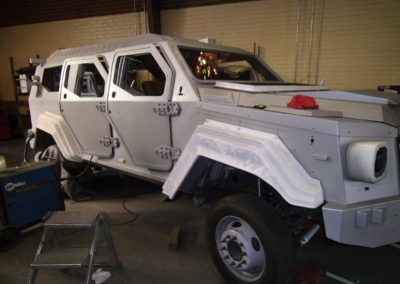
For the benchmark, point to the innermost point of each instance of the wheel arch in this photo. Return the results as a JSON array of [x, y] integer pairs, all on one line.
[[52, 128], [258, 153]]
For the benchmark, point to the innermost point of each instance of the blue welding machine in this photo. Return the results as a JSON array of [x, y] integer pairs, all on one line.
[[28, 193]]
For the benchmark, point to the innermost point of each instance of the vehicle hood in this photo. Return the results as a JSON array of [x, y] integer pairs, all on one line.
[[366, 105]]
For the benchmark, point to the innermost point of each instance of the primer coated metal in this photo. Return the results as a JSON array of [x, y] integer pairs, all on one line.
[[302, 154]]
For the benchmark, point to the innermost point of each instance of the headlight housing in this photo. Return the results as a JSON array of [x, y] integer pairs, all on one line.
[[367, 160]]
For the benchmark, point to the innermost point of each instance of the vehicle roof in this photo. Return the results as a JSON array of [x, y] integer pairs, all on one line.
[[60, 55]]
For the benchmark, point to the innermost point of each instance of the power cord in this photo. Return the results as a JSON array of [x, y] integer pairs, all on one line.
[[135, 215], [80, 174], [29, 136], [129, 222]]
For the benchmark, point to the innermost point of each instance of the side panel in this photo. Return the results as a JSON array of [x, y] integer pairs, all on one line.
[[85, 114], [132, 114], [259, 153], [41, 100]]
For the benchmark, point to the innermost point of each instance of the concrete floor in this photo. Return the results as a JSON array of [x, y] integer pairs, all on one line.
[[143, 245]]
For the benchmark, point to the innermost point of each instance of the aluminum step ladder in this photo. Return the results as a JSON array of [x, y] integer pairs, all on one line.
[[53, 253]]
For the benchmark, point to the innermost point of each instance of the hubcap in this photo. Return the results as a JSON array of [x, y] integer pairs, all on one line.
[[240, 248]]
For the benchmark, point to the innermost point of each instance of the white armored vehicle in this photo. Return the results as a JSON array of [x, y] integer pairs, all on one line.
[[214, 121]]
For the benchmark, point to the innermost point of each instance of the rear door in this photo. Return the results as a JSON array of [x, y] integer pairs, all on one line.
[[141, 82], [83, 104]]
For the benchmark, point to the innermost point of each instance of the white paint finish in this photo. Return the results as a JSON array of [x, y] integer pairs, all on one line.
[[60, 55], [361, 157], [41, 100], [256, 152], [353, 106], [180, 70], [268, 88], [306, 112], [140, 128], [134, 170], [56, 126], [389, 185], [88, 123], [341, 222]]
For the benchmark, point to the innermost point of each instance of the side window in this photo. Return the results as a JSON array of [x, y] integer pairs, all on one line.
[[51, 78], [84, 80], [140, 75], [103, 62]]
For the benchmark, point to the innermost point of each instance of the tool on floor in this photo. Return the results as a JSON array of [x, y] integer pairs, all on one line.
[[173, 243], [340, 278], [27, 193], [310, 274], [53, 253]]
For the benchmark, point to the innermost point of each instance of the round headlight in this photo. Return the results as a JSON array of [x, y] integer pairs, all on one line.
[[367, 160]]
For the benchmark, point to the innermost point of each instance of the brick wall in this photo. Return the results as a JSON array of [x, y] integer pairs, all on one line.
[[359, 44], [20, 12], [25, 41]]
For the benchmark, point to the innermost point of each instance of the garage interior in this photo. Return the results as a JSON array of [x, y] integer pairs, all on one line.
[[346, 45]]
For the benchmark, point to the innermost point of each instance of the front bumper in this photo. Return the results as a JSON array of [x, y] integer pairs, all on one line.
[[368, 224]]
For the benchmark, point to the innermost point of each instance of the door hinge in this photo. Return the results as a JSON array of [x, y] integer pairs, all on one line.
[[110, 142], [101, 106], [168, 152], [167, 109]]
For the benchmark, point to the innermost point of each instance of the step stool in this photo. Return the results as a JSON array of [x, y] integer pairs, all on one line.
[[52, 253]]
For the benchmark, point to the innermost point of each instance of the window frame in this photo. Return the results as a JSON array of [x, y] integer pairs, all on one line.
[[59, 83], [66, 76], [217, 49], [158, 57], [121, 65]]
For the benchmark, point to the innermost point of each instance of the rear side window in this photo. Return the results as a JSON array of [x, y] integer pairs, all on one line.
[[51, 78]]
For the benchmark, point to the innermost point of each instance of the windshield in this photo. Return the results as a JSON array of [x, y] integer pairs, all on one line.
[[221, 65]]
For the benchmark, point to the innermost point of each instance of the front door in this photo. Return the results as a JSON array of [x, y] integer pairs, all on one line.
[[141, 81], [83, 104]]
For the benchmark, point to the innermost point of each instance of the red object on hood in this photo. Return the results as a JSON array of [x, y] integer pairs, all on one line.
[[302, 102]]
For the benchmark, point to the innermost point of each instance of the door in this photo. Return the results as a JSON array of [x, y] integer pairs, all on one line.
[[141, 81], [83, 104]]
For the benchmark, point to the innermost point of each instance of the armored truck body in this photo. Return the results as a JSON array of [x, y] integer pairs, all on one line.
[[214, 121]]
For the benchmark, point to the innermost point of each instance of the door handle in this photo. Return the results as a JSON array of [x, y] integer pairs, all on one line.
[[65, 96], [113, 94]]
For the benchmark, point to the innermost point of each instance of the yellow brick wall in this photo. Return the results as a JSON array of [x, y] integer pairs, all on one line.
[[25, 41], [359, 45]]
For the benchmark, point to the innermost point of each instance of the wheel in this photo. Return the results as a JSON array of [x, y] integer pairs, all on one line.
[[248, 241], [77, 189]]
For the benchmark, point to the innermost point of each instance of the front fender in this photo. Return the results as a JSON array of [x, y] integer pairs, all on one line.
[[261, 154], [56, 126]]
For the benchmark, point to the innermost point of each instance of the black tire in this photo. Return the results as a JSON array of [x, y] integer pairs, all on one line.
[[77, 189], [73, 168], [276, 240]]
